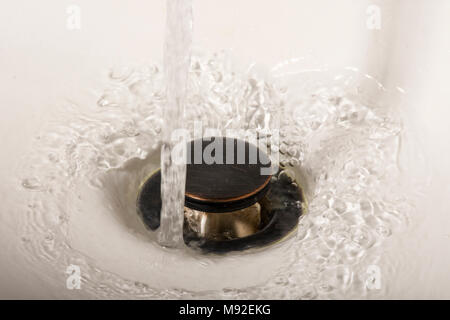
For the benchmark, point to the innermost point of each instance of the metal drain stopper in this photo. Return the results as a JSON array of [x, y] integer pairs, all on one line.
[[230, 178], [232, 201]]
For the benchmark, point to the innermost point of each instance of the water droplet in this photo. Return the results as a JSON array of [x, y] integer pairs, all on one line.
[[31, 184], [120, 73], [384, 231], [113, 99], [339, 206]]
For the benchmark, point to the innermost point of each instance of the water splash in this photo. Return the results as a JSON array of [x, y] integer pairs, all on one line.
[[81, 179]]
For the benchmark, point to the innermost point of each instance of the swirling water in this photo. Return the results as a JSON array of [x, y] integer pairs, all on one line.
[[81, 179]]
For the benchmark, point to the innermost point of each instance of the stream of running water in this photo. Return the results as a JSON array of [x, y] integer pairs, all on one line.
[[173, 172]]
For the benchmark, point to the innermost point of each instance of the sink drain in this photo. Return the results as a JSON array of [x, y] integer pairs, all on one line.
[[229, 204]]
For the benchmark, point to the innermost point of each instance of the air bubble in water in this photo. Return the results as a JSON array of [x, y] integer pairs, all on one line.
[[31, 184]]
